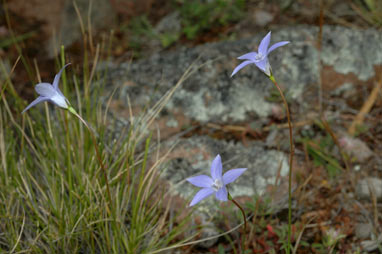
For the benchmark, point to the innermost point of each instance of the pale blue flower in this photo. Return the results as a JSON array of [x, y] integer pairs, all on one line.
[[216, 184], [50, 92], [260, 58]]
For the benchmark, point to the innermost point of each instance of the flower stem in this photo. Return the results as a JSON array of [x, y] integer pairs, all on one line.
[[272, 78], [241, 209], [245, 220], [99, 158]]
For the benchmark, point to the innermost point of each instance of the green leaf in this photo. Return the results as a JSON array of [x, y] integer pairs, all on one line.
[[221, 249]]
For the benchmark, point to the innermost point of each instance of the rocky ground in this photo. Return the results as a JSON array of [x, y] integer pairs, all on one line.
[[242, 119], [332, 79]]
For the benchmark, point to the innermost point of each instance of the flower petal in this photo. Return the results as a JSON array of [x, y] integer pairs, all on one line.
[[222, 194], [60, 100], [216, 168], [58, 76], [276, 45], [232, 174], [263, 47], [264, 66], [36, 101], [248, 56], [240, 66], [45, 89], [202, 194], [202, 181]]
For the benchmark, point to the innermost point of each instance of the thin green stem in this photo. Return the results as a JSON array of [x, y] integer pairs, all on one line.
[[68, 156], [272, 78], [99, 158]]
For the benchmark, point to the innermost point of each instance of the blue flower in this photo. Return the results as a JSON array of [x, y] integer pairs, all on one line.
[[261, 57], [216, 184], [50, 92]]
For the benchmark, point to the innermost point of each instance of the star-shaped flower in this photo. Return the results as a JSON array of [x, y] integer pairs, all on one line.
[[216, 184], [260, 58], [50, 92]]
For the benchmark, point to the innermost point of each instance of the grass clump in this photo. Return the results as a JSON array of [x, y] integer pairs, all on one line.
[[370, 11], [54, 197]]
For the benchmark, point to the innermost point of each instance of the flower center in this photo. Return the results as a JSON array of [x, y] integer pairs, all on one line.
[[259, 57], [217, 184]]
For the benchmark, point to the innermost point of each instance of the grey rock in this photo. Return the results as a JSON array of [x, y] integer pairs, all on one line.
[[169, 24], [345, 91], [262, 18], [368, 184], [193, 156], [341, 9], [363, 230], [372, 245], [210, 95], [356, 148], [166, 32], [102, 16], [352, 51]]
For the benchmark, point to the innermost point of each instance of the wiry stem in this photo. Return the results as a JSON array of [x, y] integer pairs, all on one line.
[[242, 211], [99, 158], [271, 77], [244, 218]]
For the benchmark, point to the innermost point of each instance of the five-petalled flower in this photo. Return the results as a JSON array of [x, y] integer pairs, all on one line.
[[216, 184], [50, 92], [260, 58]]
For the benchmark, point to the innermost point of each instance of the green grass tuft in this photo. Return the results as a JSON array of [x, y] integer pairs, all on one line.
[[53, 193]]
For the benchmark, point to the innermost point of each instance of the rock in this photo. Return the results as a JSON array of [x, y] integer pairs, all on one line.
[[208, 229], [210, 95], [102, 16], [193, 156], [363, 230], [167, 31], [355, 148], [59, 19], [347, 90], [364, 186], [262, 18], [339, 44], [170, 23], [45, 12], [372, 245]]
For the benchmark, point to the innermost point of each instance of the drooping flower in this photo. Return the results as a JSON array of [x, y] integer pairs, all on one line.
[[260, 58], [50, 92], [215, 184]]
